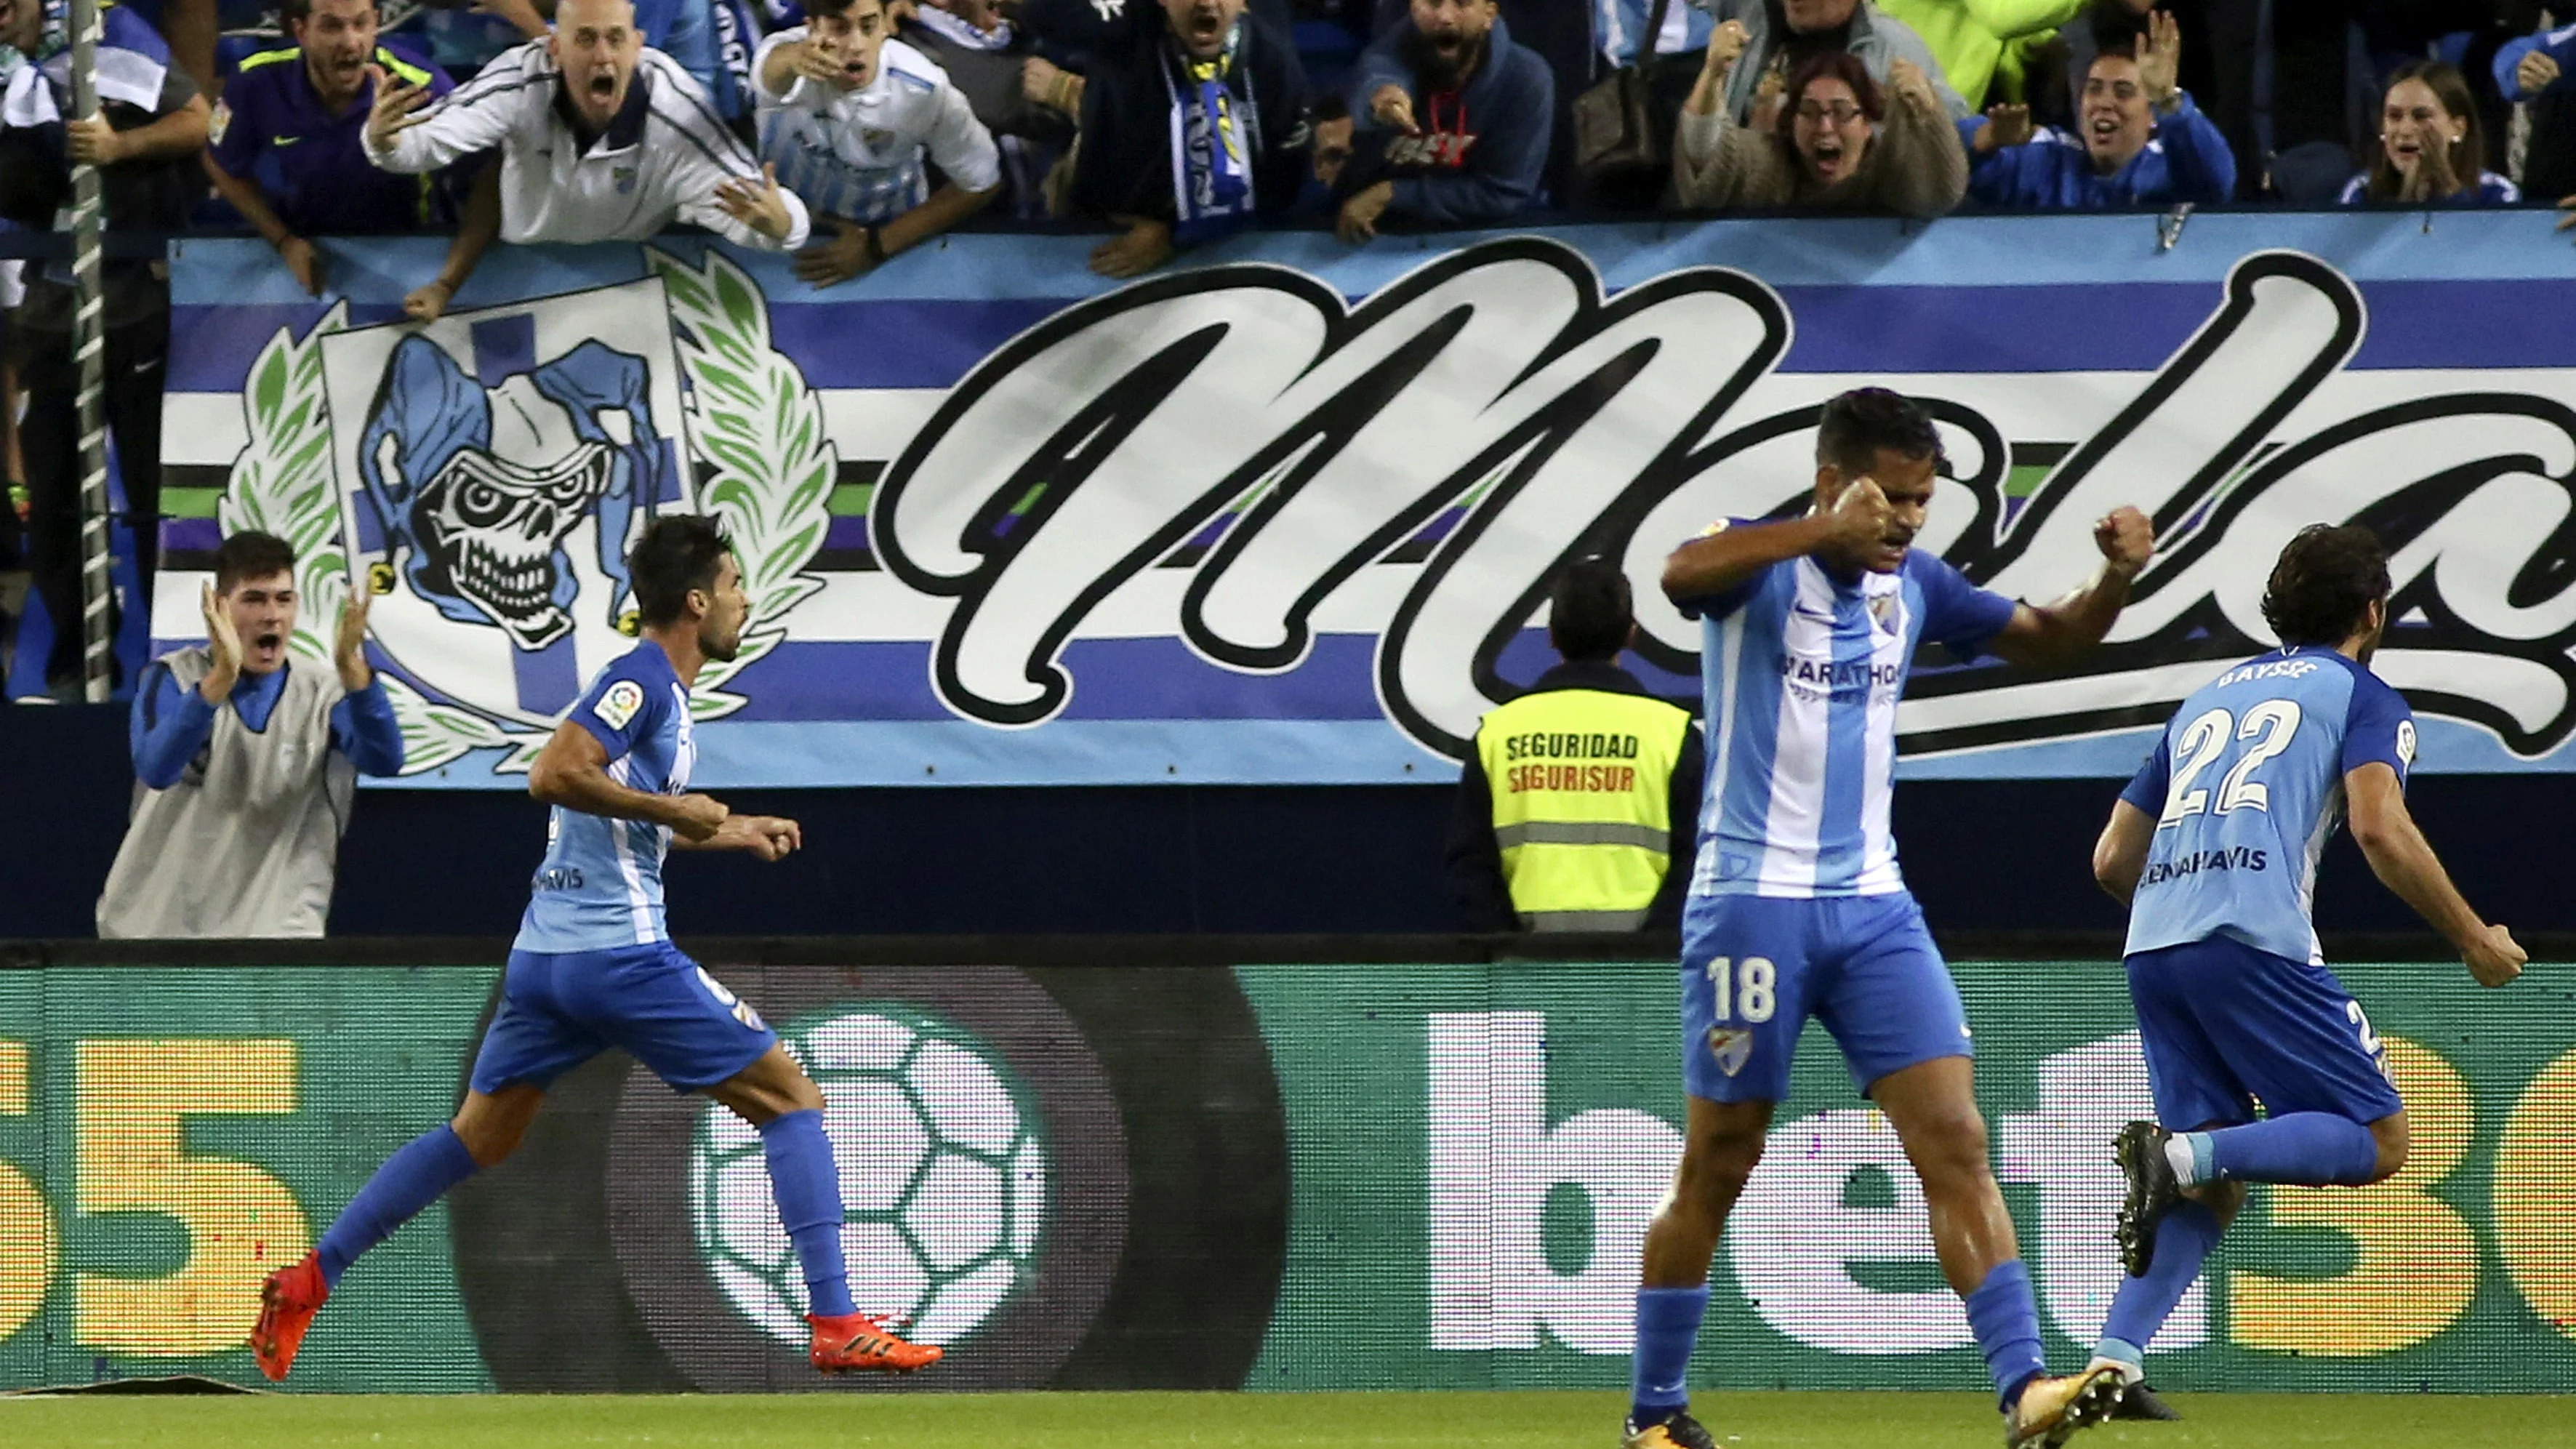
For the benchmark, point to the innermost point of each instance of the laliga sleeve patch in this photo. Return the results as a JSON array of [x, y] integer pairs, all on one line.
[[2406, 743], [1714, 529], [220, 122], [618, 704]]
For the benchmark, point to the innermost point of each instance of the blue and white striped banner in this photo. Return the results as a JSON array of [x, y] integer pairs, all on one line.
[[1281, 516]]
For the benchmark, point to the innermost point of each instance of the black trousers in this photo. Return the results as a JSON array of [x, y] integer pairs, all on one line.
[[137, 359]]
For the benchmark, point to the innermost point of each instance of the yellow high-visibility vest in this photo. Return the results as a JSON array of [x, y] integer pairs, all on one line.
[[1581, 782]]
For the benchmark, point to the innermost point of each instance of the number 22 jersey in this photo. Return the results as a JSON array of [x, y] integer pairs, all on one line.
[[2246, 787]]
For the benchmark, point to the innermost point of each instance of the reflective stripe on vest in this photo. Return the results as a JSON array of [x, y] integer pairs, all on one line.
[[1585, 920], [1581, 781], [1583, 832]]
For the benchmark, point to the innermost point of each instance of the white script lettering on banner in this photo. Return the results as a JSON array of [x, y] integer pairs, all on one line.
[[1500, 377], [1241, 472]]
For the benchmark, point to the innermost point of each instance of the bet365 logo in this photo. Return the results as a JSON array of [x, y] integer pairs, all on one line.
[[1834, 1208]]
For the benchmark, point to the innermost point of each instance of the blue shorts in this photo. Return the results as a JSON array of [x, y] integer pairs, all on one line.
[[2226, 1026], [1865, 966], [655, 1004]]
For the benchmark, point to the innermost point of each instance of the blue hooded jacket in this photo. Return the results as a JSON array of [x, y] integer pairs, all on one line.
[[1491, 137]]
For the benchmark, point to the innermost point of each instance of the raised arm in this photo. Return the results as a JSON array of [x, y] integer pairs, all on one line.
[[168, 726], [2056, 633], [477, 116], [2404, 862], [2535, 64], [1922, 164], [1730, 556], [1717, 163], [572, 771]]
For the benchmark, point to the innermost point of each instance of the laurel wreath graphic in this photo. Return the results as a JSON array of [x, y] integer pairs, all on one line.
[[753, 419], [756, 432]]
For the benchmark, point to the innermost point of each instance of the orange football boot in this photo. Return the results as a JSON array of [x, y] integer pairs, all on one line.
[[287, 1304], [854, 1342]]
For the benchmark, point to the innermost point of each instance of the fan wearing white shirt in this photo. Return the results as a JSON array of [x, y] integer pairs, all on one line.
[[847, 117], [602, 139]]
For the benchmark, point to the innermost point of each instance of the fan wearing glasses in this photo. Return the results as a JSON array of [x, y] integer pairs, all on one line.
[[1825, 137]]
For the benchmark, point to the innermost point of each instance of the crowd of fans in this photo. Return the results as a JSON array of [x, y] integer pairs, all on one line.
[[846, 132]]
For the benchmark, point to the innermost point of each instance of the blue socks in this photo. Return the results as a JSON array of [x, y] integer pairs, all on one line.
[[2308, 1149], [808, 1189], [2183, 1240], [2006, 1321], [418, 1174], [1667, 1328]]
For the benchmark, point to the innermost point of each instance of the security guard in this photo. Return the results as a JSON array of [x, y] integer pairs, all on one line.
[[1581, 793]]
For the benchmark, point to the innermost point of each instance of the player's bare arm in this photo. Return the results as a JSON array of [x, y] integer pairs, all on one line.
[[2120, 856], [2058, 632], [768, 837], [1729, 555], [572, 771], [2404, 862]]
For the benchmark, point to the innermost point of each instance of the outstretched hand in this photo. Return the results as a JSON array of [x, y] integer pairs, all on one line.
[[2004, 126], [223, 644], [397, 109], [2160, 59], [759, 205], [349, 648]]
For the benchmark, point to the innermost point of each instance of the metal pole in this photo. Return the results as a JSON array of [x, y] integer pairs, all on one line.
[[89, 349]]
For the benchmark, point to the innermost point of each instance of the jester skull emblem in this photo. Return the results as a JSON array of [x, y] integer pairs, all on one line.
[[479, 489]]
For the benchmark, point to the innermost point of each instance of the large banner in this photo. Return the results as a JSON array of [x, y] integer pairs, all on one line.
[[1285, 514], [1275, 1177]]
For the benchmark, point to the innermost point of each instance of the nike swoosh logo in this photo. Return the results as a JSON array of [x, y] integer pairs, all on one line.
[[284, 140]]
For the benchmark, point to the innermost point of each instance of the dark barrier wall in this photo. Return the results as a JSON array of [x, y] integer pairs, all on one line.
[[1984, 855], [1212, 1165]]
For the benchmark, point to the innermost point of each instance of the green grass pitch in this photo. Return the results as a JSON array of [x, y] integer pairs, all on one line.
[[1527, 1420]]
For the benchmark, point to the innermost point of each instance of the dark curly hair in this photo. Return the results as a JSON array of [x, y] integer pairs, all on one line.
[[2327, 578], [1590, 610], [1856, 425]]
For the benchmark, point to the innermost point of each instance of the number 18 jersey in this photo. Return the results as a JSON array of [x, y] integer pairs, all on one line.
[[2246, 786]]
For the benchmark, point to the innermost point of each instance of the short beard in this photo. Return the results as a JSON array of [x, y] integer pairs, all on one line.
[[1437, 72], [721, 651]]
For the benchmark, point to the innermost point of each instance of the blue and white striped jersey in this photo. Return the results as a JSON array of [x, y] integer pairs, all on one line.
[[600, 885], [857, 154], [2246, 785], [1802, 672]]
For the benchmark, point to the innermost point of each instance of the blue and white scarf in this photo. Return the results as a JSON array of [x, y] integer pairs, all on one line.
[[1213, 141], [133, 63]]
